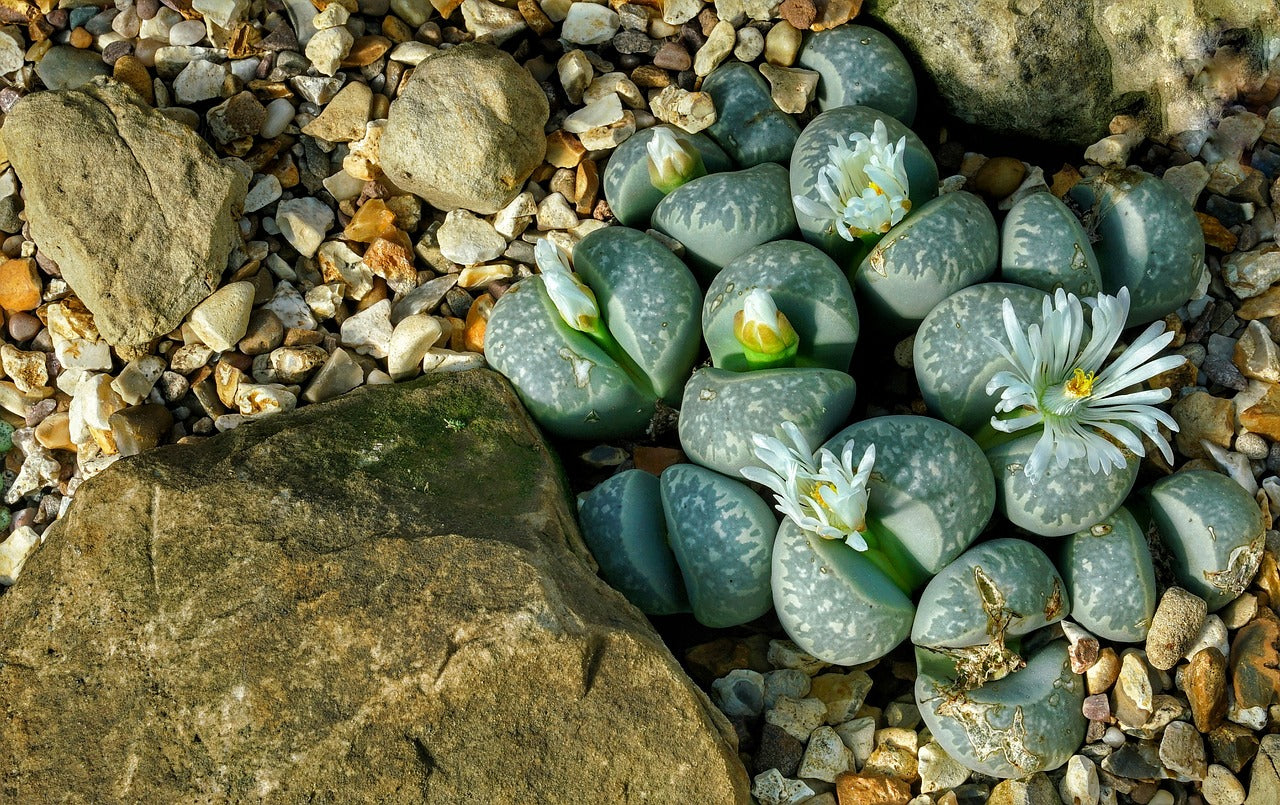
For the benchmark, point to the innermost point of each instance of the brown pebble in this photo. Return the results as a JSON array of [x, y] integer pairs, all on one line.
[[140, 427], [366, 50], [586, 186], [54, 432], [396, 29], [1215, 234], [1255, 661], [295, 337], [649, 76], [1064, 180], [800, 13], [654, 460], [82, 39], [671, 56], [871, 789], [130, 71], [539, 22], [1097, 707], [23, 326], [564, 150], [1205, 682], [264, 334], [999, 177]]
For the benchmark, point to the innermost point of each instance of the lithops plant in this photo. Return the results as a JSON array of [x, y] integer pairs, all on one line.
[[1043, 245], [749, 126], [856, 544], [977, 607], [955, 352], [722, 409], [1212, 527], [859, 66], [1149, 239], [1110, 579], [690, 541], [591, 354], [623, 524], [1086, 419], [805, 285], [949, 243], [721, 215], [1028, 721], [855, 172], [637, 177]]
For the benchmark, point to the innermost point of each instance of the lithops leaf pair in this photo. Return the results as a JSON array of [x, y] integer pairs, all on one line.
[[929, 495], [1148, 240], [749, 126], [632, 182], [591, 354], [804, 284], [993, 706], [1213, 529], [691, 541]]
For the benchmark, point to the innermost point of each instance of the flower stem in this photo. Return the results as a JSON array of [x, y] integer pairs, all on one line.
[[886, 553], [605, 340], [763, 360]]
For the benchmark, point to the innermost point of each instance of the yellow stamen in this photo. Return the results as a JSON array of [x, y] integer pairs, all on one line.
[[875, 187], [1081, 384], [817, 494]]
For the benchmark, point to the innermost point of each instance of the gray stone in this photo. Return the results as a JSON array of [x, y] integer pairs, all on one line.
[[135, 209], [466, 131], [65, 67], [1069, 68], [387, 601], [1264, 785]]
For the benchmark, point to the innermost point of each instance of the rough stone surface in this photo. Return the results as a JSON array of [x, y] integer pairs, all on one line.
[[382, 598], [466, 131], [132, 206], [1069, 68]]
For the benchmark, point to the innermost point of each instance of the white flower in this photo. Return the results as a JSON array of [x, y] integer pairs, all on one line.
[[863, 189], [819, 492], [575, 301], [672, 161], [761, 327], [1057, 383]]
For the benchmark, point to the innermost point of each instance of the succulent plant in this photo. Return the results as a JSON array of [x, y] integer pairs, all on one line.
[[593, 364], [805, 285], [1213, 529], [628, 180], [859, 66], [1149, 240], [722, 409], [1043, 245], [1110, 578], [1029, 721], [949, 243], [831, 188], [928, 496], [719, 216], [749, 126]]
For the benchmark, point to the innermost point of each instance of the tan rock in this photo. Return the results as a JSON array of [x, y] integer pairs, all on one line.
[[1256, 354], [424, 623], [344, 117], [1202, 416], [1205, 683], [871, 789]]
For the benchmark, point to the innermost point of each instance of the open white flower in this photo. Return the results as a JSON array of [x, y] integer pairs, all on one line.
[[672, 161], [575, 301], [819, 492], [862, 190], [1058, 384]]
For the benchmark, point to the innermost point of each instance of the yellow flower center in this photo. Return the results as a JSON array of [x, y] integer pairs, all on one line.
[[875, 187], [1081, 384], [817, 494]]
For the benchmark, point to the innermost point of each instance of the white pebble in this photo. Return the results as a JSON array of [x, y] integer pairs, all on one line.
[[604, 112], [412, 53], [186, 33], [1080, 783], [222, 319], [199, 81], [555, 213], [15, 551], [138, 378], [589, 24], [369, 331], [411, 339], [328, 48], [825, 757], [448, 360], [771, 788], [465, 239], [1221, 787], [304, 222], [264, 191], [289, 306], [223, 13]]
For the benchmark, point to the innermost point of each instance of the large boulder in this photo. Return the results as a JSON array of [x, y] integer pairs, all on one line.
[[466, 130], [134, 207], [1061, 71], [384, 598]]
